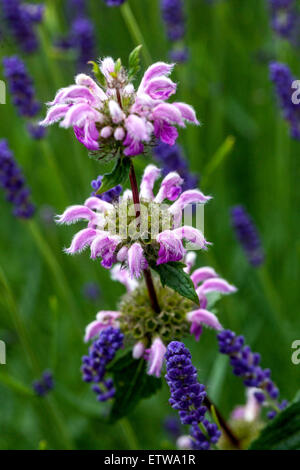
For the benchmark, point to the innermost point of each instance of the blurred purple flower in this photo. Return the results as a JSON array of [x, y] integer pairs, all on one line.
[[179, 55], [13, 183], [82, 39], [36, 131], [91, 291], [173, 426], [21, 19], [21, 86], [285, 18], [172, 159], [247, 235], [282, 78], [43, 386], [114, 3], [174, 19], [173, 16]]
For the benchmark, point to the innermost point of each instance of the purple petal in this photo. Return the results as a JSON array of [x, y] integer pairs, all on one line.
[[165, 132], [167, 112], [203, 317], [81, 240], [93, 329], [160, 88], [187, 112], [191, 234], [202, 274], [54, 114], [156, 357], [155, 70], [136, 260], [171, 247], [150, 175], [219, 285], [98, 204], [74, 214], [170, 187]]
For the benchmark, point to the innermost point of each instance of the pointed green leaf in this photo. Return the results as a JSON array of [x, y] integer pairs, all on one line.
[[134, 62], [118, 175], [283, 433], [172, 275], [132, 384]]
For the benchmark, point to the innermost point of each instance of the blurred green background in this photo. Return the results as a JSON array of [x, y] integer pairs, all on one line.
[[43, 311]]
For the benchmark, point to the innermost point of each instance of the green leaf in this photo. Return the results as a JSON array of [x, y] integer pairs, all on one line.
[[97, 72], [118, 175], [172, 275], [283, 433], [132, 385], [134, 62]]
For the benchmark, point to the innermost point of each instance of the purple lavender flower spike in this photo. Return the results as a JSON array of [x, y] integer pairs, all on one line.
[[44, 385], [245, 364], [20, 19], [187, 396], [247, 235], [102, 351], [282, 78], [13, 183], [21, 86]]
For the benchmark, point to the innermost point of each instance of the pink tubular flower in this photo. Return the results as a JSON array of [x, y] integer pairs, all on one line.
[[250, 411], [136, 260], [210, 282], [122, 275], [201, 317], [156, 357], [213, 285], [104, 319], [136, 251], [138, 350], [118, 112]]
